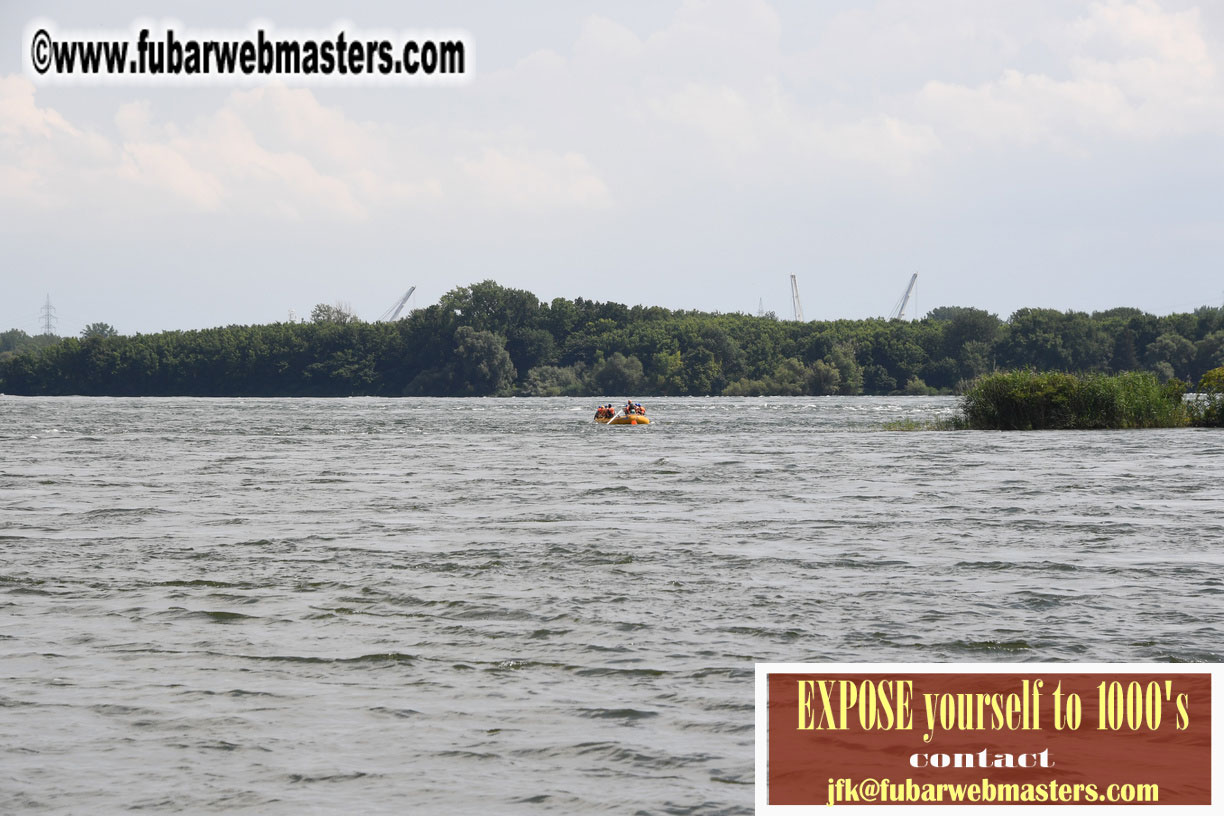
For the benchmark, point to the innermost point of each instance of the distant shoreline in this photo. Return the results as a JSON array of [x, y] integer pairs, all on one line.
[[489, 340]]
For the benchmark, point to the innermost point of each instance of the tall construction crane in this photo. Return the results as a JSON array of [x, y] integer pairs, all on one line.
[[393, 312], [898, 312], [795, 304]]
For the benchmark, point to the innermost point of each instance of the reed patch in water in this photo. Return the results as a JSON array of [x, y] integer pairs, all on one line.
[[1030, 400], [1206, 406]]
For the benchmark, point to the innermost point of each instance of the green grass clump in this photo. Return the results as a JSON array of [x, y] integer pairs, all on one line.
[[1206, 407], [1029, 400]]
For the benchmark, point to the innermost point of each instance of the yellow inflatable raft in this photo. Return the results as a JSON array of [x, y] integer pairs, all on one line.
[[632, 419]]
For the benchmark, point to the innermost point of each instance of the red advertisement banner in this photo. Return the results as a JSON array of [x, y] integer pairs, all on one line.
[[944, 738]]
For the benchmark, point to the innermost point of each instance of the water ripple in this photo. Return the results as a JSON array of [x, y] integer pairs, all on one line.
[[430, 603]]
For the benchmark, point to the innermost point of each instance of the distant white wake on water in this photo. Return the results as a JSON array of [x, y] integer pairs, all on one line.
[[449, 606]]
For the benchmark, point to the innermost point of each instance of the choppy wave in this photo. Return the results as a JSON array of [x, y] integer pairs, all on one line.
[[466, 605]]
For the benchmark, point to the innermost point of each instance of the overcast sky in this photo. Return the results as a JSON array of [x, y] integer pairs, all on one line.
[[685, 154]]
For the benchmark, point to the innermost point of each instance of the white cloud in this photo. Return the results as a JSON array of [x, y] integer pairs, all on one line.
[[709, 94], [1144, 27], [19, 115], [45, 162], [272, 153], [721, 41], [886, 143], [719, 113], [608, 41], [542, 61], [163, 167], [699, 138], [716, 95], [1132, 71], [533, 181]]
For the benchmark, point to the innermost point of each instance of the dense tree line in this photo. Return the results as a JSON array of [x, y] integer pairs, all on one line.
[[486, 339], [16, 340]]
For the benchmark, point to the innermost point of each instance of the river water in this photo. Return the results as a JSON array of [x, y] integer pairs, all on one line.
[[458, 606]]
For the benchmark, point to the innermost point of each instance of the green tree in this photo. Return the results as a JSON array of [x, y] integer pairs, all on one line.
[[618, 374], [823, 378], [1034, 339], [961, 325], [529, 348], [340, 313], [1125, 356], [1209, 352], [702, 372], [553, 381], [98, 330], [489, 339], [850, 373], [488, 306], [484, 366], [1172, 350]]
